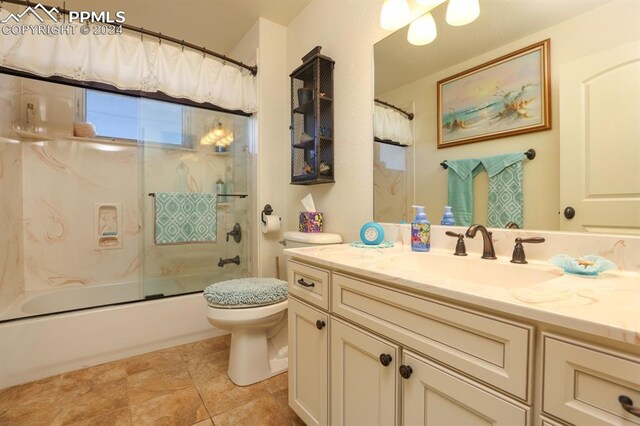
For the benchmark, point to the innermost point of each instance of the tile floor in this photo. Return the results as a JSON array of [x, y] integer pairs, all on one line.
[[185, 385]]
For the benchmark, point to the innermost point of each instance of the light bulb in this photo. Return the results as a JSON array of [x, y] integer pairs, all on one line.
[[422, 31], [462, 12], [395, 14], [218, 131]]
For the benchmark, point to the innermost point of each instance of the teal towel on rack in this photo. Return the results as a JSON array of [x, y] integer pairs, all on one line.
[[185, 217], [506, 201], [461, 174]]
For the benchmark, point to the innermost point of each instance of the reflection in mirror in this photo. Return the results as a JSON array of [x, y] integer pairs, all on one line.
[[589, 158]]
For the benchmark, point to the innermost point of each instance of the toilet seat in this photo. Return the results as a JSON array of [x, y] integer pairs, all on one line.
[[246, 293]]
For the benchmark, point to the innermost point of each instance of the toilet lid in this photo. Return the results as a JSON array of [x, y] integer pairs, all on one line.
[[246, 292]]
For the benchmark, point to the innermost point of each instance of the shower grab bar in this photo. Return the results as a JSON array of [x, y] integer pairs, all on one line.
[[153, 194]]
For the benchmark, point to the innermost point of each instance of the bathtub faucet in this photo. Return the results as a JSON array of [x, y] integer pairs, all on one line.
[[223, 262]]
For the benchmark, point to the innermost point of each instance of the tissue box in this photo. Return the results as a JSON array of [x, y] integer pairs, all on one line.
[[310, 222]]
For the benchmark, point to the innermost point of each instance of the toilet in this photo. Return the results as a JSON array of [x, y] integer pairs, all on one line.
[[254, 310]]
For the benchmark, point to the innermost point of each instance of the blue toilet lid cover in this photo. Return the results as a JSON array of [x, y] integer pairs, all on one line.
[[246, 292]]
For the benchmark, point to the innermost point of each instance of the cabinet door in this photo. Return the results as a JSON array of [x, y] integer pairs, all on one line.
[[308, 362], [364, 391], [434, 396]]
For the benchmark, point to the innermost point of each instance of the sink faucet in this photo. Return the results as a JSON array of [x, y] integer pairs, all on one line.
[[487, 244]]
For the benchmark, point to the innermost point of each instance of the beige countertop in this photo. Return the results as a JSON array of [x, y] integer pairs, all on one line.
[[606, 306]]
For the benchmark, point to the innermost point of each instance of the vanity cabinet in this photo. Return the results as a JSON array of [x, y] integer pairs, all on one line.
[[583, 383], [308, 362], [364, 377], [434, 395], [312, 120], [390, 355]]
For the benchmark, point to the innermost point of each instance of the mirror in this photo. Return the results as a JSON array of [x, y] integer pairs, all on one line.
[[597, 175]]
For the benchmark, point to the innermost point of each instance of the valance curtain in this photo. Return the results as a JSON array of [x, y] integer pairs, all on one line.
[[128, 62], [391, 125]]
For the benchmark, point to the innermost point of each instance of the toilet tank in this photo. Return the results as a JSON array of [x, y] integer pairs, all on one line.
[[294, 239]]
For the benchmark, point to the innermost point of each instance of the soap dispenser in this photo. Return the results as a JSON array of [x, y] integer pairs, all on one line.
[[420, 231], [447, 217]]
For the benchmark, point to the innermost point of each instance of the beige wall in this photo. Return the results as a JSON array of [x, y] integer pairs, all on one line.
[[608, 26], [346, 30], [265, 44]]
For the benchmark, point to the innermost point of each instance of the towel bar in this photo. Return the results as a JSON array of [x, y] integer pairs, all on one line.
[[153, 194], [530, 154]]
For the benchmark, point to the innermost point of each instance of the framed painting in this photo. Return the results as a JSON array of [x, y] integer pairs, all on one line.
[[507, 96]]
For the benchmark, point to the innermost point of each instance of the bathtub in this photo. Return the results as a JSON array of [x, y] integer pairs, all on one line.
[[73, 297], [48, 301], [35, 348]]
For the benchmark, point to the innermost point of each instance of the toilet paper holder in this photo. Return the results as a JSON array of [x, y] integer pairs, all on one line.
[[267, 210]]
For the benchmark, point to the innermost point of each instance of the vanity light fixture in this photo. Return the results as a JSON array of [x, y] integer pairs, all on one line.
[[395, 14], [462, 12], [422, 31]]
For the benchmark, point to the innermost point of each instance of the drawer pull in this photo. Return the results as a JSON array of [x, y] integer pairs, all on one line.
[[627, 405], [405, 371], [385, 359], [320, 324], [303, 283]]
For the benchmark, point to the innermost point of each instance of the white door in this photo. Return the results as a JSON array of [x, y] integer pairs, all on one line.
[[435, 396], [308, 363], [364, 378], [600, 141]]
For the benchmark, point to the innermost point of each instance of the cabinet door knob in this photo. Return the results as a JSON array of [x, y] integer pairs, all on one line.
[[385, 359], [303, 283], [320, 324], [405, 371], [627, 405]]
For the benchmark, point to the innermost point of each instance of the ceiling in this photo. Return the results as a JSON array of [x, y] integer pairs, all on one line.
[[501, 21], [217, 25]]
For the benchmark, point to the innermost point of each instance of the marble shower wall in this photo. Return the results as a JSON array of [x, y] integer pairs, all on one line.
[[11, 247], [63, 180], [390, 183]]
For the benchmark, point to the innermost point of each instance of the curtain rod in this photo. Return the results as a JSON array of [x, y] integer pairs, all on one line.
[[530, 154], [160, 36], [408, 114]]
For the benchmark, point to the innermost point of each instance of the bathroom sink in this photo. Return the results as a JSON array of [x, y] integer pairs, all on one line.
[[495, 273]]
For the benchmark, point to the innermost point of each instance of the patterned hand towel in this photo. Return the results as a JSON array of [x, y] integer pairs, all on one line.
[[461, 174], [185, 217], [506, 202]]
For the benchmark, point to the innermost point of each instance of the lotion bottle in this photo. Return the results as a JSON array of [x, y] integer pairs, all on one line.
[[420, 231]]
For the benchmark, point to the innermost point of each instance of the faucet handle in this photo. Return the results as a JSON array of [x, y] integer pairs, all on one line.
[[518, 255], [461, 250]]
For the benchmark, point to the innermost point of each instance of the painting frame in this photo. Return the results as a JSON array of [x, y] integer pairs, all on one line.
[[506, 111]]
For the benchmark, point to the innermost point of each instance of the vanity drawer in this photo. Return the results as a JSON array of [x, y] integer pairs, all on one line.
[[582, 383], [493, 350], [308, 283]]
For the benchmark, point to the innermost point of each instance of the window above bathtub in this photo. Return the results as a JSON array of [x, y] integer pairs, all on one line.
[[136, 119]]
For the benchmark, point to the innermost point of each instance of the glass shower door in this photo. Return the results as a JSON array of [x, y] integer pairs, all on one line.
[[212, 158]]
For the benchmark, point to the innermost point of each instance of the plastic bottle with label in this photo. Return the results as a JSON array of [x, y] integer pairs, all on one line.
[[420, 231]]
